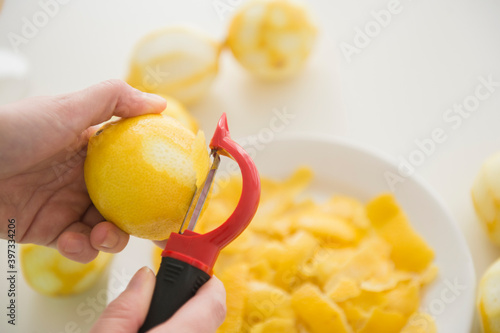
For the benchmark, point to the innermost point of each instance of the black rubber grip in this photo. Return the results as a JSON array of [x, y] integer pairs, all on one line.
[[176, 283]]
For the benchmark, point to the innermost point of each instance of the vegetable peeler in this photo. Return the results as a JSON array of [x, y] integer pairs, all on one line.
[[188, 258]]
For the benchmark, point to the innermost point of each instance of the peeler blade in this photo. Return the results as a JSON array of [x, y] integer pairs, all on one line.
[[200, 195]]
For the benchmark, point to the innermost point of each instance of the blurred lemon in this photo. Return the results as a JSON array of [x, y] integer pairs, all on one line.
[[142, 172], [488, 299], [156, 258], [486, 196], [177, 110], [178, 62], [272, 38], [49, 273]]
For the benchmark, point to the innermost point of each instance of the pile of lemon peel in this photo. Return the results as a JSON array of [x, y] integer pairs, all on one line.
[[334, 266]]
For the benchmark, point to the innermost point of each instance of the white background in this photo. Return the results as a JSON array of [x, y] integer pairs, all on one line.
[[394, 92]]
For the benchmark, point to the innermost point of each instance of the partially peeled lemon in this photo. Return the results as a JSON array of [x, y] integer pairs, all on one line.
[[51, 274], [488, 299], [272, 38], [142, 172], [180, 62], [486, 196]]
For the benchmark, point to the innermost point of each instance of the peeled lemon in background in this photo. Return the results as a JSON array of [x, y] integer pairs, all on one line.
[[179, 62], [177, 110], [156, 258], [272, 38], [49, 273], [488, 299], [142, 172], [486, 196]]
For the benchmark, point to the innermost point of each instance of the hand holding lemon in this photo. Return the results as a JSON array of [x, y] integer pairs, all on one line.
[[43, 141]]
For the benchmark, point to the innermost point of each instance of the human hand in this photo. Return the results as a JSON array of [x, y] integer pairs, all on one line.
[[203, 313], [43, 143]]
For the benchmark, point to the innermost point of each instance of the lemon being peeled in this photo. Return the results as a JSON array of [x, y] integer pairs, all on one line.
[[142, 172]]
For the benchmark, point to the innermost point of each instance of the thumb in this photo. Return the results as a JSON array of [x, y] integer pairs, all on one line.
[[99, 102], [39, 127], [127, 312]]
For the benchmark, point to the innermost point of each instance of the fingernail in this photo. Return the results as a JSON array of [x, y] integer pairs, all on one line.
[[155, 99], [111, 240], [139, 278], [73, 246]]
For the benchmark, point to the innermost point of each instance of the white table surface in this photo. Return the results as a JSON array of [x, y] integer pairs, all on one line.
[[394, 92]]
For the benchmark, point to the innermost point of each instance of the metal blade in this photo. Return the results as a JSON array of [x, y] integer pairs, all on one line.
[[200, 195]]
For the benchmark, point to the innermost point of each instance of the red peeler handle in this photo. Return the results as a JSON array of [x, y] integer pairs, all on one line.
[[188, 258], [199, 250]]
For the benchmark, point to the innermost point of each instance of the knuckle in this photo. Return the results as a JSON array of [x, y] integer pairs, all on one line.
[[114, 84], [219, 309]]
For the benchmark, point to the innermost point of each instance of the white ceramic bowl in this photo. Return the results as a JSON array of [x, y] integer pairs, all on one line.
[[343, 167]]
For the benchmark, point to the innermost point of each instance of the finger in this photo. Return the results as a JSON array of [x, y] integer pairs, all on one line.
[[77, 111], [74, 243], [107, 237], [89, 132], [128, 311], [61, 122], [113, 97], [203, 313], [104, 235], [92, 217]]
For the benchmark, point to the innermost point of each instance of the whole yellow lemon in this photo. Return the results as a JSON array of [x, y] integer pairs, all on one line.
[[141, 173], [51, 274]]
